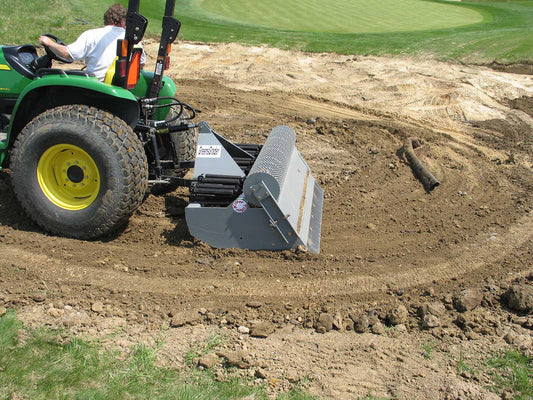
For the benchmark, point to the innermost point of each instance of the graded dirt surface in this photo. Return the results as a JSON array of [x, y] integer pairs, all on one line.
[[409, 285]]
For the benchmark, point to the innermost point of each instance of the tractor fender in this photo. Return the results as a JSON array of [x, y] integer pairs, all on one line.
[[53, 91]]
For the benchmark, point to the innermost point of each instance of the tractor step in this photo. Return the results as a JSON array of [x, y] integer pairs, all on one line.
[[273, 203]]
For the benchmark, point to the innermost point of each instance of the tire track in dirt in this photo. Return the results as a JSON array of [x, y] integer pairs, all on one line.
[[327, 109], [323, 108], [192, 289]]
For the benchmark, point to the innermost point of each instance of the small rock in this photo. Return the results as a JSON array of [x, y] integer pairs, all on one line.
[[401, 328], [468, 300], [523, 342], [520, 298], [361, 324], [253, 304], [243, 329], [348, 324], [182, 318], [378, 328], [273, 382], [308, 323], [262, 329], [398, 315], [208, 361], [292, 376], [15, 396], [511, 338], [324, 323], [435, 308], [219, 375], [3, 310], [97, 307], [55, 312], [76, 319], [465, 321], [39, 297], [205, 261], [448, 301], [338, 322], [234, 358], [373, 317], [261, 373], [430, 321], [59, 304], [471, 335]]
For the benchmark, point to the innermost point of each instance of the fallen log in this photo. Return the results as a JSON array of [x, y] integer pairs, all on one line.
[[427, 179]]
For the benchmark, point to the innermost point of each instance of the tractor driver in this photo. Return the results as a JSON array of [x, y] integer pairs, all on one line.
[[97, 47]]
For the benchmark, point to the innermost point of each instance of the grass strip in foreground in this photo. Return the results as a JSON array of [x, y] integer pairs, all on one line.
[[42, 364]]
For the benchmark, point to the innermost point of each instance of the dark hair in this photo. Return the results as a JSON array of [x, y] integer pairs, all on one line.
[[114, 14]]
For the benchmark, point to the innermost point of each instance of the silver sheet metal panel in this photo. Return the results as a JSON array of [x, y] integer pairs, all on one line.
[[281, 204]]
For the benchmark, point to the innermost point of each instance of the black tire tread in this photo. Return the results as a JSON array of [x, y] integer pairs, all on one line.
[[127, 147]]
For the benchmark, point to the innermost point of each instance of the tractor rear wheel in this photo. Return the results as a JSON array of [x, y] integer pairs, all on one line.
[[79, 171], [184, 143]]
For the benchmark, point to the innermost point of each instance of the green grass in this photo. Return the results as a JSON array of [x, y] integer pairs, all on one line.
[[38, 364], [505, 34], [340, 16], [469, 31], [512, 371], [427, 349], [202, 349], [24, 21], [463, 367]]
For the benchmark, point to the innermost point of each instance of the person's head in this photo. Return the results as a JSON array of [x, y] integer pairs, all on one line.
[[115, 15]]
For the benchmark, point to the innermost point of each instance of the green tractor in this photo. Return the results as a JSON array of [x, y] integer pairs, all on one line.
[[84, 153]]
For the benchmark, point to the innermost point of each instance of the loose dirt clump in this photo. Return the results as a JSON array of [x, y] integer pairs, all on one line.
[[412, 289]]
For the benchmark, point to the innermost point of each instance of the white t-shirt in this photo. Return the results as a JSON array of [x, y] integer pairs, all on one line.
[[98, 47]]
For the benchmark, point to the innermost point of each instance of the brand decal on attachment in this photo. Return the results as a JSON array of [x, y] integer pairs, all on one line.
[[240, 206], [209, 151]]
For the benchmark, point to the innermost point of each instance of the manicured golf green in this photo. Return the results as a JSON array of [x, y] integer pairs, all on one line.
[[473, 31], [340, 16]]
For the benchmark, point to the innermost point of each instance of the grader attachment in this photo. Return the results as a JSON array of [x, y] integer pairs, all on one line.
[[254, 197]]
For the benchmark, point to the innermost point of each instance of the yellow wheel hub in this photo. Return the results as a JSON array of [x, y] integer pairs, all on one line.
[[68, 176]]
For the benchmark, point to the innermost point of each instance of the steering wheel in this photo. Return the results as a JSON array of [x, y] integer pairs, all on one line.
[[51, 53]]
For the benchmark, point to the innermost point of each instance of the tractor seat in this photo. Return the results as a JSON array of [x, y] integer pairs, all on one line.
[[25, 61], [57, 71], [109, 77], [20, 58], [110, 74]]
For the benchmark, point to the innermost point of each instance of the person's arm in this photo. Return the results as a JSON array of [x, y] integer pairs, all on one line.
[[59, 49]]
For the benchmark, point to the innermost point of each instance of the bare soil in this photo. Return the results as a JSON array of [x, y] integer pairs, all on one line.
[[409, 287]]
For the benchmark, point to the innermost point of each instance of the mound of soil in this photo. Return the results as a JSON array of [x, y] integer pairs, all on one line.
[[408, 282]]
